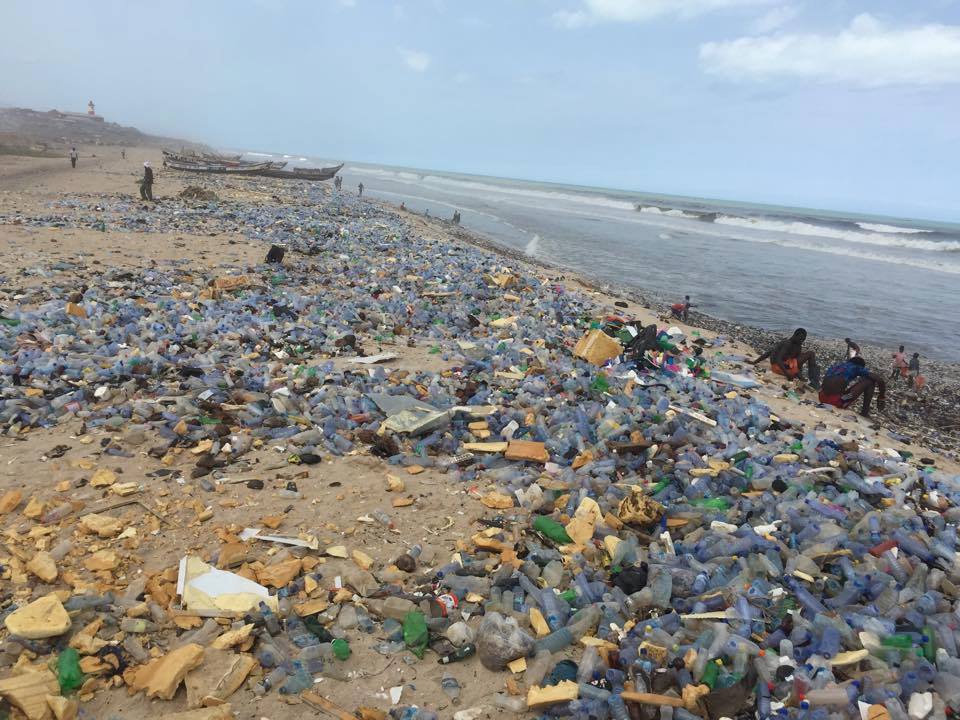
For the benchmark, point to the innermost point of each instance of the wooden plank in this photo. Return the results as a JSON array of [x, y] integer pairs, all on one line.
[[652, 699], [321, 703]]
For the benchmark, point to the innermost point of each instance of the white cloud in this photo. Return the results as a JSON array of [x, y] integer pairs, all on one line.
[[593, 11], [866, 54], [415, 60], [775, 18]]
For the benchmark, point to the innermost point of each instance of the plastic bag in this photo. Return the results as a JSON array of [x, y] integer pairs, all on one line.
[[501, 641]]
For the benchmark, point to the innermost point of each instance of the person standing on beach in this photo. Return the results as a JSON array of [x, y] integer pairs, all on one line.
[[360, 188], [73, 157], [914, 368], [123, 153], [848, 380], [146, 184], [899, 368], [788, 357], [914, 365]]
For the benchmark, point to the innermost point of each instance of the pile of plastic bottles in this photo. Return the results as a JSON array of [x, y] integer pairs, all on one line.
[[785, 572]]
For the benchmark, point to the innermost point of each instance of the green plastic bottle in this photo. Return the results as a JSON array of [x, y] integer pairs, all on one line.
[[600, 384], [710, 674], [661, 485], [712, 503], [552, 529], [415, 633], [930, 646], [341, 649], [901, 641], [69, 674]]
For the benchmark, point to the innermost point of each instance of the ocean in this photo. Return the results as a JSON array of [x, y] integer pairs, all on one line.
[[879, 280]]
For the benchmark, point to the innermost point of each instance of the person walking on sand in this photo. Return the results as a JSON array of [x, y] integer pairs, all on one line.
[[123, 153], [146, 184], [73, 157], [360, 188], [681, 310], [788, 357], [848, 380], [899, 368]]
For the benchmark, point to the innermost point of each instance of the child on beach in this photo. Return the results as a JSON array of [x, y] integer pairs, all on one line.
[[914, 369], [899, 364]]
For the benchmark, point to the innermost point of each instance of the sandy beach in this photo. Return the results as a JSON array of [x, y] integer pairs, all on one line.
[[52, 246]]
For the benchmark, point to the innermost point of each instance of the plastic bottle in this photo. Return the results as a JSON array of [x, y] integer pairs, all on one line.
[[270, 620], [408, 561], [69, 674], [538, 668], [391, 607], [461, 653], [271, 680], [341, 649], [552, 529], [450, 687], [298, 681]]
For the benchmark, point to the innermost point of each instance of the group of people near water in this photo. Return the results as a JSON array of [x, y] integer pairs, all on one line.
[[844, 382]]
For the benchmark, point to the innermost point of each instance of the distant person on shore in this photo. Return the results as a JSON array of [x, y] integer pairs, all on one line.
[[403, 205], [146, 184], [914, 369], [681, 310], [852, 348], [456, 217], [914, 365], [848, 380], [788, 357], [73, 157], [123, 154], [360, 188], [900, 366]]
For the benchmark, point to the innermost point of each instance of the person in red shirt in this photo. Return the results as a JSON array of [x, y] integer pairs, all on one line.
[[899, 368]]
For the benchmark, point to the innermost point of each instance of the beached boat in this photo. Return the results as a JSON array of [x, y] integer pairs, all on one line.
[[302, 173], [209, 159], [212, 167]]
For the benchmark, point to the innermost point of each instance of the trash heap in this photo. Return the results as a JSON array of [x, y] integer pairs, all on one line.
[[654, 542]]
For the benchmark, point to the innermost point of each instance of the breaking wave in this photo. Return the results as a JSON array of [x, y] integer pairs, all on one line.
[[796, 227]]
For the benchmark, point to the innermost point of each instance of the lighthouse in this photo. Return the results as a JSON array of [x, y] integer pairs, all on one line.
[[91, 111]]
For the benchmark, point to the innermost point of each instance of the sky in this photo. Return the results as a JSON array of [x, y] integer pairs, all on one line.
[[835, 104]]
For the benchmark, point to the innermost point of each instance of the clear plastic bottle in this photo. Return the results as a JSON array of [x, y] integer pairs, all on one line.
[[450, 687]]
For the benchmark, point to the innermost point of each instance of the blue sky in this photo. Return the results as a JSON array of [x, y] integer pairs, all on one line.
[[842, 104]]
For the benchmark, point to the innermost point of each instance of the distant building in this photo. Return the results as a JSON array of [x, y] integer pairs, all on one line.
[[90, 114]]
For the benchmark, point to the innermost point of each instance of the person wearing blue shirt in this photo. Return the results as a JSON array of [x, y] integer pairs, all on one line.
[[846, 381]]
